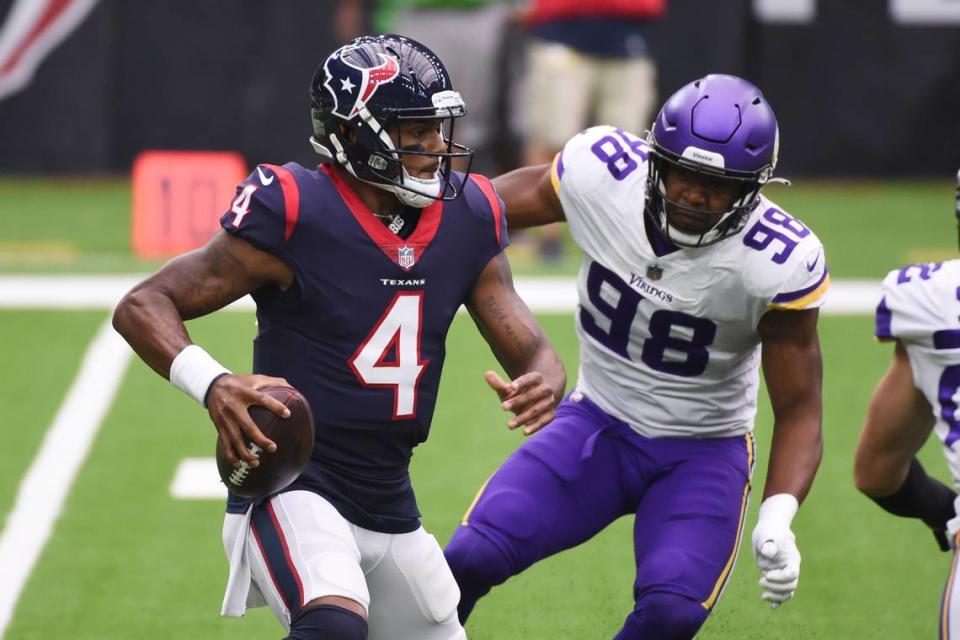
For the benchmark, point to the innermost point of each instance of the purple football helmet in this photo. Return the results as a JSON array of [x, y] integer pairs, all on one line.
[[719, 126], [371, 84]]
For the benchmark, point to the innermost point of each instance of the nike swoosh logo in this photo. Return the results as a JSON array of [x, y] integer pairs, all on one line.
[[263, 178], [812, 265]]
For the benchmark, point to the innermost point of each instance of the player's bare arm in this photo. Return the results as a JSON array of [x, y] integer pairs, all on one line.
[[530, 197], [519, 344], [151, 316], [793, 371], [899, 420]]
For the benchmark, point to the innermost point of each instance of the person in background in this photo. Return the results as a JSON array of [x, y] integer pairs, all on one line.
[[468, 35], [587, 63]]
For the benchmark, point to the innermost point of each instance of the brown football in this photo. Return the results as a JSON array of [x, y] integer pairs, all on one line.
[[294, 439]]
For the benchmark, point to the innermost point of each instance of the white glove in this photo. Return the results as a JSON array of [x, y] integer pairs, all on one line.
[[775, 549]]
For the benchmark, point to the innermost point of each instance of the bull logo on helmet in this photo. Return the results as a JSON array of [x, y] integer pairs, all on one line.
[[352, 86]]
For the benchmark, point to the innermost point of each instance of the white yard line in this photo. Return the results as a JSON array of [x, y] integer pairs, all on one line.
[[197, 479], [46, 484], [73, 292], [544, 294]]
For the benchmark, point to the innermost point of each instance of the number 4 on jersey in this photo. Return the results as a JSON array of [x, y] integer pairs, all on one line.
[[390, 355], [241, 204]]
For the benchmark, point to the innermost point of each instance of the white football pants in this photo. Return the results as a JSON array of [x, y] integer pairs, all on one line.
[[298, 547]]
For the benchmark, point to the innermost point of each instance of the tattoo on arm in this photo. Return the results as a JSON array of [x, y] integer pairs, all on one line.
[[221, 278], [523, 346]]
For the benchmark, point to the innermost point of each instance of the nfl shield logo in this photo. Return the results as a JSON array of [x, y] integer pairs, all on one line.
[[654, 272], [405, 257]]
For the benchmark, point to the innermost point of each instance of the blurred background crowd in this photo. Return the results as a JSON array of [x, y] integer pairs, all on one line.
[[862, 88]]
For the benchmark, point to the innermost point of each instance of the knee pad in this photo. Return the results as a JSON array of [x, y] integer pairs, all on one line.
[[665, 616], [477, 564], [506, 513], [327, 622], [662, 571]]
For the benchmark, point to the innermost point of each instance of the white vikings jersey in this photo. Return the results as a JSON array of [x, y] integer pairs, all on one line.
[[668, 336], [921, 309]]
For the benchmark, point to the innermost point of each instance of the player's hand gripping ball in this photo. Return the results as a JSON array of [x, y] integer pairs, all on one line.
[[293, 437]]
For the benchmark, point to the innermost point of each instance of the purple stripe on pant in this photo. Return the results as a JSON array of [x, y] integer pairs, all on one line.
[[584, 471]]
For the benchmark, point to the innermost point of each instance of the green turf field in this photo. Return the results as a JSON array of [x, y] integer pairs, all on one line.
[[127, 560], [82, 226]]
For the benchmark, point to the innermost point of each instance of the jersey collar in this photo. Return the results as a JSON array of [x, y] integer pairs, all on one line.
[[389, 242]]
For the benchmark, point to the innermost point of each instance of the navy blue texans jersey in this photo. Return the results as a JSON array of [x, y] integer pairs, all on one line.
[[361, 330]]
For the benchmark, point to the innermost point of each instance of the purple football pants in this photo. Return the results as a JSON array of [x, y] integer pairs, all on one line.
[[584, 471]]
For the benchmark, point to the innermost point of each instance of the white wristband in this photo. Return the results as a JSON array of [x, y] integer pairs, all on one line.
[[193, 370], [780, 508]]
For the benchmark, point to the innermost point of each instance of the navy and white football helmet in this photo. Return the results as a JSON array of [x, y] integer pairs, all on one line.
[[371, 84]]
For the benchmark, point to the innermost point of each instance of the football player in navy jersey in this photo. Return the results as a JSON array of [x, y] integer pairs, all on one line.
[[688, 269], [357, 268]]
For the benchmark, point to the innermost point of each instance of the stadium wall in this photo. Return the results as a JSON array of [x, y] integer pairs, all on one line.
[[861, 87]]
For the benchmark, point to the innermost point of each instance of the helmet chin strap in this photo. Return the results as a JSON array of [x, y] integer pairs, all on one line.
[[320, 148], [419, 194], [682, 238], [687, 239]]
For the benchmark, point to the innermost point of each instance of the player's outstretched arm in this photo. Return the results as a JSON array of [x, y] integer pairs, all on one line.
[[519, 344], [793, 370], [529, 196], [899, 420], [150, 317]]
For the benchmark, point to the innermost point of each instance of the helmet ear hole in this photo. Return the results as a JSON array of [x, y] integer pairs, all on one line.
[[347, 133]]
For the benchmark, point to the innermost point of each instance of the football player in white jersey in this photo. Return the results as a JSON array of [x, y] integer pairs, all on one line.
[[920, 311], [687, 271]]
